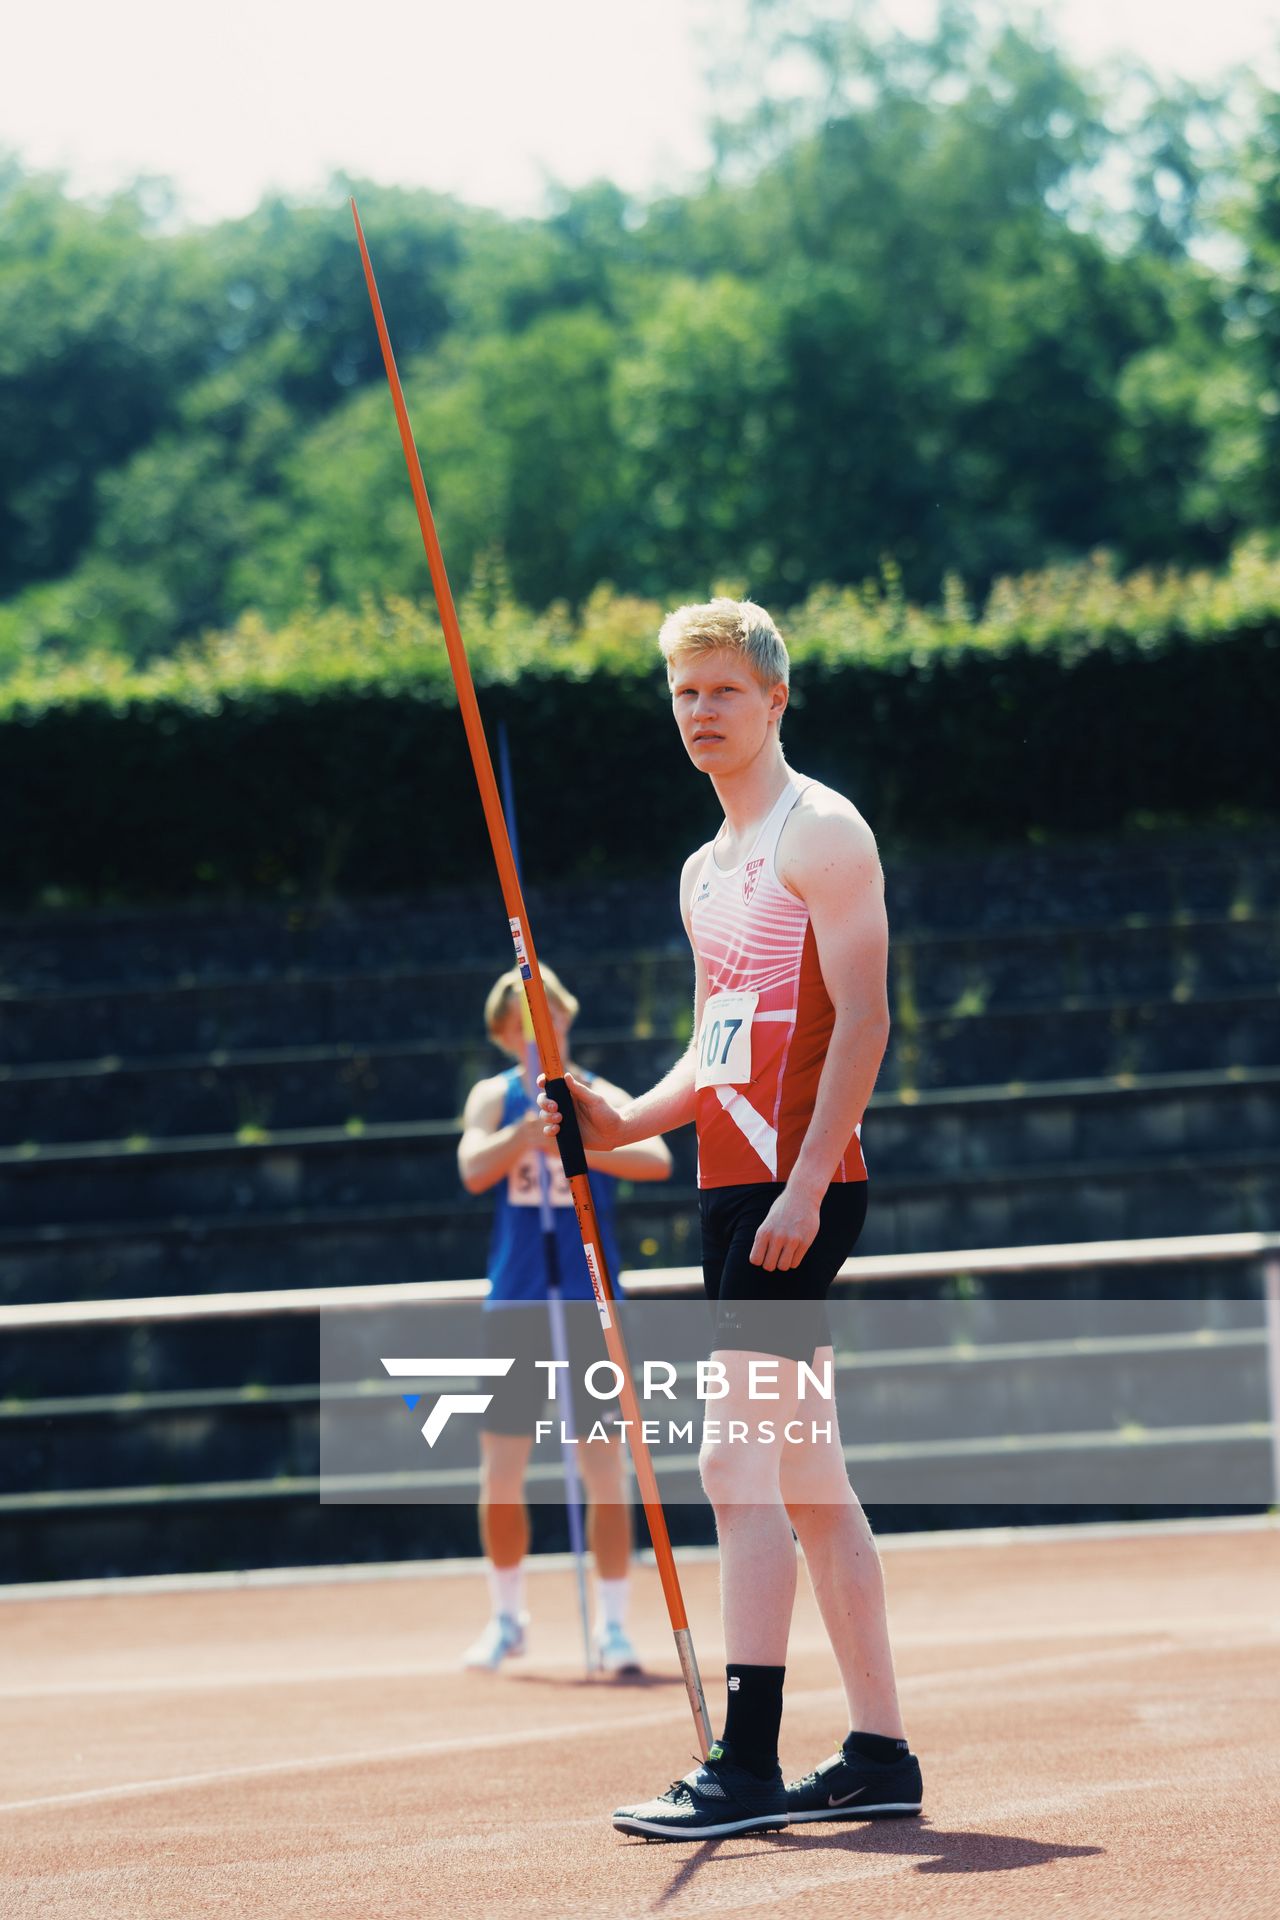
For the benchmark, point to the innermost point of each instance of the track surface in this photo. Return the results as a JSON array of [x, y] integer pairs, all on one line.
[[1096, 1718]]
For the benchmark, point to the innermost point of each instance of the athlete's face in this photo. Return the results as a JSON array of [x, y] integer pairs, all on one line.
[[723, 713]]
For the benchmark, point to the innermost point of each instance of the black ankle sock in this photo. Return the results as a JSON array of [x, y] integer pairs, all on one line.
[[875, 1746], [754, 1716]]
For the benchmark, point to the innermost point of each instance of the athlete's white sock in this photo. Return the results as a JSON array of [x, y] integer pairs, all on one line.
[[611, 1602], [506, 1589]]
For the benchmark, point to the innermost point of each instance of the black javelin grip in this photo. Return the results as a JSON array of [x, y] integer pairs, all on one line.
[[573, 1155]]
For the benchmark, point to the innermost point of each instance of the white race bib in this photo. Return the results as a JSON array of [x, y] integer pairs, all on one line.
[[524, 1184], [724, 1040]]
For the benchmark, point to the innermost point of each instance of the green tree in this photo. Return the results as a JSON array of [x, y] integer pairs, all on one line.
[[1245, 409], [696, 397], [102, 324]]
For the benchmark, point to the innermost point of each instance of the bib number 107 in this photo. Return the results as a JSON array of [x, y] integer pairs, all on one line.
[[724, 1040], [712, 1055]]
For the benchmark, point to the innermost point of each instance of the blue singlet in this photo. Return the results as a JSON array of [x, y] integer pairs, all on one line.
[[517, 1258]]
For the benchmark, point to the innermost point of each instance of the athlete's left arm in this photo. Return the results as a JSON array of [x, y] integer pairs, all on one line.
[[834, 866], [643, 1159]]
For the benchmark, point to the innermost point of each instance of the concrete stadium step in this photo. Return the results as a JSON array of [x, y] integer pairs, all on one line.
[[926, 1135], [1206, 1369], [1209, 1373], [259, 1354], [276, 1088], [1226, 1192], [278, 1526], [1037, 1127], [164, 1439], [240, 1012], [1086, 882], [149, 947], [1049, 1387], [1184, 957], [283, 1088], [1201, 873], [1135, 1384], [1000, 1470], [295, 1530], [280, 1522], [647, 991], [247, 1352], [136, 1259], [279, 1088], [298, 1247], [215, 1176], [1206, 1192], [1092, 1040]]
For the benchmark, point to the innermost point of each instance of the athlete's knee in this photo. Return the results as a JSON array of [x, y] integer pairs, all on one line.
[[503, 1499], [601, 1466], [738, 1469], [812, 1476], [502, 1482]]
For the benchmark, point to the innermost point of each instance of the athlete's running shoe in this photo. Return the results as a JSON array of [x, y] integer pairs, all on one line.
[[502, 1639], [614, 1651], [717, 1798], [849, 1787]]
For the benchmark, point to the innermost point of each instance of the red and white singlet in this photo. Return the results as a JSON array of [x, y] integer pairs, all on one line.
[[767, 1021]]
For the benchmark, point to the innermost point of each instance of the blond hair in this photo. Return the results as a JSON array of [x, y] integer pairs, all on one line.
[[508, 988], [738, 626]]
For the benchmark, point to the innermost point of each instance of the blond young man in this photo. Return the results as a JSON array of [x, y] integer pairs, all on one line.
[[503, 1141], [785, 914]]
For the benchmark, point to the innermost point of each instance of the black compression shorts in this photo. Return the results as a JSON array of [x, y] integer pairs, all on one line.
[[780, 1313]]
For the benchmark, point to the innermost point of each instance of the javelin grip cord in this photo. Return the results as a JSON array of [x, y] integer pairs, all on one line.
[[573, 1155]]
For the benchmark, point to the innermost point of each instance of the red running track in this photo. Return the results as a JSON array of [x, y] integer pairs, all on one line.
[[1096, 1717]]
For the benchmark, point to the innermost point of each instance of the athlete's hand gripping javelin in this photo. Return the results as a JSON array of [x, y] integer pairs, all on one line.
[[786, 1231], [599, 1123]]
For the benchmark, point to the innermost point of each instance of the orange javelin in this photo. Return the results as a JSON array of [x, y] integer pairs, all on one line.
[[572, 1154]]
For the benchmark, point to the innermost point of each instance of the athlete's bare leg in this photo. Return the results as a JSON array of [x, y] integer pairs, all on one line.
[[845, 1570], [504, 1518], [757, 1551], [608, 1508]]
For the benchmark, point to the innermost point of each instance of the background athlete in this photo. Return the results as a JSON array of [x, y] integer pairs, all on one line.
[[785, 914], [502, 1144]]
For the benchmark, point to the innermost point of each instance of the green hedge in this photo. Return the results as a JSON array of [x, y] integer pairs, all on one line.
[[327, 754]]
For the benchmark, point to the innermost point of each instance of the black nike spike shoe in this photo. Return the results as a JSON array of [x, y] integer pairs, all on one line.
[[716, 1799], [849, 1787]]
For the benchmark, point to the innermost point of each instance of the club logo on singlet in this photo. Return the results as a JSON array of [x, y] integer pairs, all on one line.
[[754, 869]]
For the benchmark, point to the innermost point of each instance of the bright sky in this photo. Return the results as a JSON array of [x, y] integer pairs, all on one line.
[[488, 99]]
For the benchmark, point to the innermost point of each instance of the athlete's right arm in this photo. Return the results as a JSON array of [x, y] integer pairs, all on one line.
[[670, 1103], [487, 1151]]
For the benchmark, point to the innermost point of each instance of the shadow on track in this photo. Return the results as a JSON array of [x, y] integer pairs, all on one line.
[[958, 1850], [939, 1850]]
